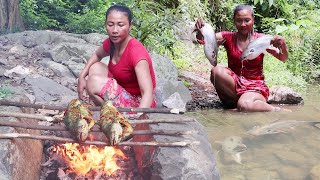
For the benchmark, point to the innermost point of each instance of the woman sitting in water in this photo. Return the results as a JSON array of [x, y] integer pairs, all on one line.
[[241, 85], [129, 78]]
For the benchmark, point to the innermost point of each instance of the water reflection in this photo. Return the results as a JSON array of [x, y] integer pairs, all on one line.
[[290, 155]]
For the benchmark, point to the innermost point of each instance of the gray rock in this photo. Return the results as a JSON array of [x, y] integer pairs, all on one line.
[[166, 88], [48, 91], [95, 38], [175, 101], [21, 158], [59, 69], [164, 67], [191, 162], [284, 95], [65, 51]]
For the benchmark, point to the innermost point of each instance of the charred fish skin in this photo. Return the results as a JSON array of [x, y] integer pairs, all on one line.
[[78, 120], [113, 123]]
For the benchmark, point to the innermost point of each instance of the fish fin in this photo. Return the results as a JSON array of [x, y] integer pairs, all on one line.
[[237, 158]]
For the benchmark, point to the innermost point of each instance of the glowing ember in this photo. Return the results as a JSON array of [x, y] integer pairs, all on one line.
[[83, 159]]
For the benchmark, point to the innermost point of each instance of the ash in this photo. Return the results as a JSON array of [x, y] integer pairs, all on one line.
[[56, 168]]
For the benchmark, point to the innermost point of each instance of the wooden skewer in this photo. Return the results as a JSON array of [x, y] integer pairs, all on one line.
[[92, 108], [99, 143], [50, 119], [94, 129]]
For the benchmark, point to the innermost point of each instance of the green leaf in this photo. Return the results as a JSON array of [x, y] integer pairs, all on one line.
[[280, 29], [270, 3]]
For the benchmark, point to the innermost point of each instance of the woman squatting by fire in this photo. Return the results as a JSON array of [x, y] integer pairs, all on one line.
[[241, 85], [128, 80]]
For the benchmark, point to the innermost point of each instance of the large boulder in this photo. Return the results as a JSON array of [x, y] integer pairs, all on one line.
[[284, 95], [19, 158]]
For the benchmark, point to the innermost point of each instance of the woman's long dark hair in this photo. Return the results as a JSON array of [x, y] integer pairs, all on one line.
[[120, 8]]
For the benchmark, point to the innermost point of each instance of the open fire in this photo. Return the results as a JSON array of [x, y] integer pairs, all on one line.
[[84, 160]]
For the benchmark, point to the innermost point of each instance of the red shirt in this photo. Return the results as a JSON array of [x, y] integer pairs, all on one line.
[[250, 69], [124, 71]]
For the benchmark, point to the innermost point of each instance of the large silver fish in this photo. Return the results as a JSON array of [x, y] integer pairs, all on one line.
[[279, 127], [210, 43], [257, 47]]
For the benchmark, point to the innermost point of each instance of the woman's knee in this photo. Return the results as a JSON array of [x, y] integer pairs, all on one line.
[[244, 104], [95, 83], [98, 68]]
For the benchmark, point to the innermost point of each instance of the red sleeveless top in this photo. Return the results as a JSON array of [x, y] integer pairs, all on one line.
[[250, 69]]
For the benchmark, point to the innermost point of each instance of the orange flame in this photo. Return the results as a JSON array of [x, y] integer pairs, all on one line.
[[83, 159]]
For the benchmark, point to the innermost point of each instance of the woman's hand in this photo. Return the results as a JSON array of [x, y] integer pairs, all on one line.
[[199, 24], [81, 87], [280, 43]]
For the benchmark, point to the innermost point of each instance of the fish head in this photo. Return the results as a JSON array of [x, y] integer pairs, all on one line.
[[81, 130], [115, 135], [113, 131], [248, 54]]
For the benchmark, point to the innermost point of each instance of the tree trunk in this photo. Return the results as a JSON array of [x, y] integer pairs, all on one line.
[[10, 18]]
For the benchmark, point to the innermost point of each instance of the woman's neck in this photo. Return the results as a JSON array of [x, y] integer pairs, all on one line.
[[243, 37], [120, 47]]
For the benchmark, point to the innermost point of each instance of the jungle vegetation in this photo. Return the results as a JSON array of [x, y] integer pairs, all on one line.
[[154, 22]]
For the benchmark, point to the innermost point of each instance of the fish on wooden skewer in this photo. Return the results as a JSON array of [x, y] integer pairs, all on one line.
[[210, 42], [257, 47], [279, 127], [113, 123], [78, 120]]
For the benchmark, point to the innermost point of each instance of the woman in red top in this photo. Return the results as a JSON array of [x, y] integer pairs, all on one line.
[[129, 78], [241, 85]]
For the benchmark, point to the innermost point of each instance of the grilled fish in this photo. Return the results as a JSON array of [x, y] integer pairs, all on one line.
[[78, 120], [210, 43], [257, 47], [279, 127], [113, 123]]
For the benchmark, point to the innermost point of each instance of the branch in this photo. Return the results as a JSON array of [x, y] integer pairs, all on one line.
[[99, 143], [94, 129], [50, 119], [92, 108]]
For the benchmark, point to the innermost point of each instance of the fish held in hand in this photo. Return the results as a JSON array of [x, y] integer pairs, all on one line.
[[78, 120], [257, 47], [210, 42], [113, 123], [279, 127]]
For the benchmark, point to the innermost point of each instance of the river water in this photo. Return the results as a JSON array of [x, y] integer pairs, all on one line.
[[291, 155]]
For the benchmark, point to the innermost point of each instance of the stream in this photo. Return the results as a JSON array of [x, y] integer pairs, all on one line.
[[287, 155]]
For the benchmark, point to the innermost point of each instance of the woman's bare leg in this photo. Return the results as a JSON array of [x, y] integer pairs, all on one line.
[[97, 78], [254, 102], [225, 86]]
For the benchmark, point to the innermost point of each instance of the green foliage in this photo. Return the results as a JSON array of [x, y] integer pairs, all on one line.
[[155, 22], [276, 73], [5, 92]]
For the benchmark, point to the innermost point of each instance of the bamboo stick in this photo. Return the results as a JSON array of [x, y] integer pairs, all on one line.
[[99, 143], [92, 108], [50, 119], [94, 129]]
